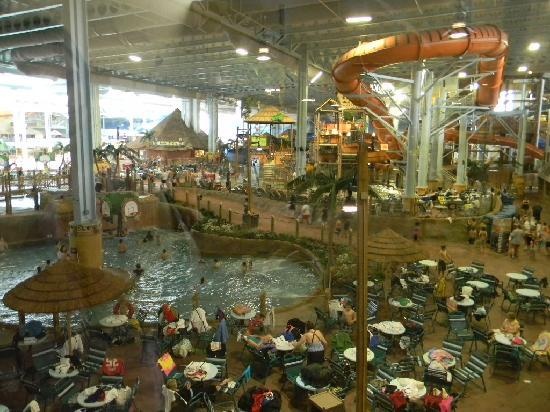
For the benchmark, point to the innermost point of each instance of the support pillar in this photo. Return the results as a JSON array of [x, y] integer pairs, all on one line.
[[301, 124], [519, 178], [362, 278], [96, 115], [538, 113], [213, 123], [462, 166], [438, 141], [412, 142], [195, 114], [85, 231], [424, 156], [187, 109]]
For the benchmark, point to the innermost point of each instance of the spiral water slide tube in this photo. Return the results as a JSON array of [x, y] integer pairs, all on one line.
[[483, 41]]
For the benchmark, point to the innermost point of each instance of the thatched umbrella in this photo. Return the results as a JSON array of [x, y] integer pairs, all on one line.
[[66, 286], [390, 247]]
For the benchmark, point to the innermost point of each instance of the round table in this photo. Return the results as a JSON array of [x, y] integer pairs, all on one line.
[[506, 339], [58, 375], [397, 303], [281, 344], [519, 277], [210, 369], [478, 284], [467, 269], [389, 327], [351, 354], [309, 388], [113, 321], [412, 388], [449, 364], [245, 316], [466, 302], [528, 293], [429, 263], [110, 394]]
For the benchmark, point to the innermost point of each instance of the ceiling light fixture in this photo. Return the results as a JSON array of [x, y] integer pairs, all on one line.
[[358, 19], [263, 58], [134, 58], [522, 69], [529, 72], [533, 46], [316, 77], [308, 100], [263, 50], [462, 75], [241, 52]]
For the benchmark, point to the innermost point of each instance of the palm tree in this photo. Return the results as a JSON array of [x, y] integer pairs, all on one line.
[[323, 184]]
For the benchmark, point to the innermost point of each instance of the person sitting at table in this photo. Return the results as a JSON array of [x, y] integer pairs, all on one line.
[[452, 304], [256, 324], [315, 342], [198, 320], [124, 307], [511, 324]]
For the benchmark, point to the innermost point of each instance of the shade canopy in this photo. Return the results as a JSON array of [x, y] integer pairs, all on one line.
[[67, 286], [389, 247], [270, 115], [172, 134]]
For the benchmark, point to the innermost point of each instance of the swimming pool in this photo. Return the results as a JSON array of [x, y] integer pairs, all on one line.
[[175, 280]]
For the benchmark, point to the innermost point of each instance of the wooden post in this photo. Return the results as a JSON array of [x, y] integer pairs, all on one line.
[[229, 215], [350, 234], [187, 198], [208, 205], [7, 194], [323, 232], [220, 211], [198, 202], [297, 228], [21, 316], [272, 224]]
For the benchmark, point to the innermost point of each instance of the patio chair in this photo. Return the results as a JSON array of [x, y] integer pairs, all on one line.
[[534, 307], [380, 354], [42, 362], [325, 319], [481, 336], [529, 356], [454, 347], [292, 367], [473, 370], [427, 315], [385, 373], [240, 383], [405, 366], [480, 266], [507, 357], [529, 272], [221, 364], [438, 378], [441, 307], [459, 329], [510, 297]]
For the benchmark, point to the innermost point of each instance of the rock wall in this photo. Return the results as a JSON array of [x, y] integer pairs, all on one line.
[[28, 228]]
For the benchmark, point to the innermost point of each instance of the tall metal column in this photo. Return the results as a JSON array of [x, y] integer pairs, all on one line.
[[461, 178], [187, 109], [195, 114], [522, 132], [96, 115], [412, 143], [362, 278], [436, 153], [86, 229], [213, 123], [301, 126], [424, 156]]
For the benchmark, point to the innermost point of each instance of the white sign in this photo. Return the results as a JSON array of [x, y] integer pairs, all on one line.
[[131, 208]]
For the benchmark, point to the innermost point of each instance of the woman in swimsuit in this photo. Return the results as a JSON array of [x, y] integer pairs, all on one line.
[[315, 342]]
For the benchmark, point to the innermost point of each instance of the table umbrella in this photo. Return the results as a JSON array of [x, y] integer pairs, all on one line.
[[388, 246], [66, 286]]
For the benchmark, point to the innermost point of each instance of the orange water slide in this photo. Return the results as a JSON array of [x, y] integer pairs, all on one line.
[[484, 41], [483, 138]]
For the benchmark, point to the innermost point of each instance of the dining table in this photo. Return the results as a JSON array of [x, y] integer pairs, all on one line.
[[412, 388], [507, 338], [478, 284], [282, 345], [110, 394], [200, 371], [113, 321], [528, 293], [351, 354], [440, 355]]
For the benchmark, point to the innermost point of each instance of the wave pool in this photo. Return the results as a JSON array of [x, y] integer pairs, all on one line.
[[175, 280]]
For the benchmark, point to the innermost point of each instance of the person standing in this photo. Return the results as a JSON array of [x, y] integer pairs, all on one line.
[[315, 342], [516, 239], [537, 211], [306, 213], [444, 259]]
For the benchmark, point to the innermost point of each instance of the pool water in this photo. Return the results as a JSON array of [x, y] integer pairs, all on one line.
[[175, 280]]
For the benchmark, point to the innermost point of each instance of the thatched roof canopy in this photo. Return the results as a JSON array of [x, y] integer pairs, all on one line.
[[269, 115], [389, 247], [67, 286], [172, 134]]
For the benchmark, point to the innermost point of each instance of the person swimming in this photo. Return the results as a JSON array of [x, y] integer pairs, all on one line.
[[122, 246], [244, 267], [138, 271], [165, 255], [148, 237], [217, 264]]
